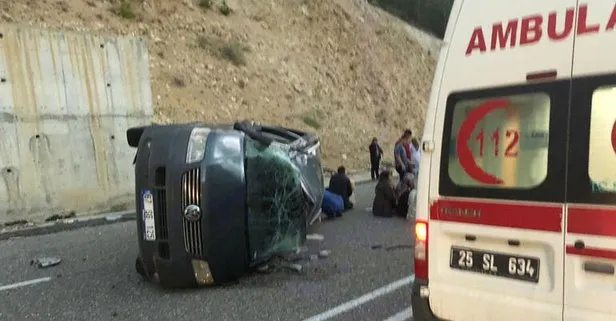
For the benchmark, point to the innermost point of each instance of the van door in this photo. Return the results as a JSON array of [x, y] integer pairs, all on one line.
[[496, 231], [590, 241], [496, 236]]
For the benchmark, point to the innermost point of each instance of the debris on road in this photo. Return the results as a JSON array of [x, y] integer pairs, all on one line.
[[291, 257], [277, 266], [393, 247], [293, 267], [398, 247], [265, 268], [45, 262], [113, 217], [315, 237], [58, 217], [17, 222]]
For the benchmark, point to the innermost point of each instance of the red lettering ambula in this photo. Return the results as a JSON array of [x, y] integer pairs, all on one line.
[[531, 29]]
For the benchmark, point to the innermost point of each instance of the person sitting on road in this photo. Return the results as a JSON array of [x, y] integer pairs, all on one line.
[[384, 203], [332, 205], [403, 191], [340, 184]]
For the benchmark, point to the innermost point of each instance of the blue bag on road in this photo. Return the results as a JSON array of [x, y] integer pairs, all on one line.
[[332, 205]]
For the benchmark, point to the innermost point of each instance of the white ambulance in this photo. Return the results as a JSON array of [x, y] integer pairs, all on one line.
[[516, 206]]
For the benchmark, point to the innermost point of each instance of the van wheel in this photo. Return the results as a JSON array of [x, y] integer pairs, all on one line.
[[139, 267]]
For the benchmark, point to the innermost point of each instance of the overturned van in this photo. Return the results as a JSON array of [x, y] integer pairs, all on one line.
[[215, 201]]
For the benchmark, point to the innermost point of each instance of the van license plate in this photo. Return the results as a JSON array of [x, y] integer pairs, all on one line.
[[149, 227], [498, 264]]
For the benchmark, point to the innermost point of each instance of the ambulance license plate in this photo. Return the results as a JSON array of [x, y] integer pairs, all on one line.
[[510, 266]]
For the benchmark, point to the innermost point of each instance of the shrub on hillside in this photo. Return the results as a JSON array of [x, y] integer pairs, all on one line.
[[125, 10], [224, 8]]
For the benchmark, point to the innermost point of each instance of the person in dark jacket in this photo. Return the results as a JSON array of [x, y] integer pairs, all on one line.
[[340, 184], [376, 152], [403, 192], [384, 204]]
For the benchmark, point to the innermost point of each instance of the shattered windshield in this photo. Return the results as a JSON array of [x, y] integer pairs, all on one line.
[[277, 204]]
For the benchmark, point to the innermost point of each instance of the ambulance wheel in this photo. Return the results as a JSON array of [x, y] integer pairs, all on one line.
[[139, 267]]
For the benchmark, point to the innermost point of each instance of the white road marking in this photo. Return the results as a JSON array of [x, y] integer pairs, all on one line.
[[403, 315], [350, 305], [24, 283]]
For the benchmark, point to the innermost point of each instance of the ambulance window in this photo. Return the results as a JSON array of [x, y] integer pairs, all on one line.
[[602, 140], [500, 142]]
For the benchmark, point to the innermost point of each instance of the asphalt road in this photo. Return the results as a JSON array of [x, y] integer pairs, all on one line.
[[96, 279]]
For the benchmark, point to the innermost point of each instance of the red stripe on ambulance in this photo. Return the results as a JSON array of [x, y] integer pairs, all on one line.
[[592, 252], [591, 221], [531, 29], [530, 217]]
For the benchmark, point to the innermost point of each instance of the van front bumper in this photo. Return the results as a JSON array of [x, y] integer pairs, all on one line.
[[421, 306]]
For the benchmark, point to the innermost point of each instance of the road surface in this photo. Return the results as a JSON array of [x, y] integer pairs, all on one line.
[[367, 277]]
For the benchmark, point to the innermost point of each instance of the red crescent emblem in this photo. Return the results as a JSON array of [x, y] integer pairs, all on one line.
[[465, 156], [614, 137]]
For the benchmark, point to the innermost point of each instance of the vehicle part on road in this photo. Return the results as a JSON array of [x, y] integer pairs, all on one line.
[[45, 262], [291, 257], [214, 202], [264, 269], [293, 267], [315, 237]]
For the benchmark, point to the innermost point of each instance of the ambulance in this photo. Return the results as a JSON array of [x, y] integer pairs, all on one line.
[[516, 205]]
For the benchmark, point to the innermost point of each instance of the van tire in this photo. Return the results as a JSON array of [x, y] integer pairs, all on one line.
[[139, 267]]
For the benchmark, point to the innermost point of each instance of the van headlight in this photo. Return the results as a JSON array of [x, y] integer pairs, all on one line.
[[196, 145]]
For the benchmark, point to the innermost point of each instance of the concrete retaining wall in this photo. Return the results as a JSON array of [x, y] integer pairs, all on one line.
[[66, 100]]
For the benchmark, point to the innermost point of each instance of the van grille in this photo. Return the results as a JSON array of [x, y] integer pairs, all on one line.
[[191, 195]]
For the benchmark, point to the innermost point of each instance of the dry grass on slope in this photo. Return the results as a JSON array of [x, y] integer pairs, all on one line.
[[341, 68]]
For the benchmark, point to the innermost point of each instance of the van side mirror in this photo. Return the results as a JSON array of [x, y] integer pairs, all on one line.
[[133, 135]]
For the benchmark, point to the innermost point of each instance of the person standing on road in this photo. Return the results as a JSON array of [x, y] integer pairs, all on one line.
[[376, 152], [402, 157], [340, 184], [415, 155]]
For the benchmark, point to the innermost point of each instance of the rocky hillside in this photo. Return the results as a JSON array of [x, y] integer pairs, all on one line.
[[341, 68]]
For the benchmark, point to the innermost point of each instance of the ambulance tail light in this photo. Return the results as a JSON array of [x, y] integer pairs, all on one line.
[[421, 249]]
